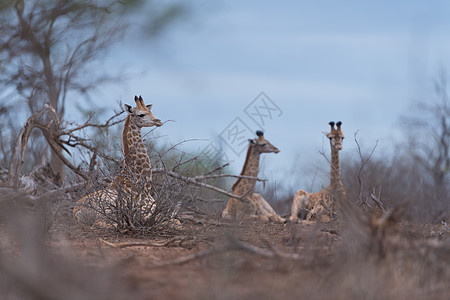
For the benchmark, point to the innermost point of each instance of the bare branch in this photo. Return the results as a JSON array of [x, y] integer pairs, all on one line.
[[55, 149], [201, 184], [205, 177], [86, 124], [233, 245], [170, 242], [364, 162], [379, 203], [218, 168], [321, 152], [19, 150]]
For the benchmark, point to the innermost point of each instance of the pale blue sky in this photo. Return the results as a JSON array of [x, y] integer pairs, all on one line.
[[360, 62]]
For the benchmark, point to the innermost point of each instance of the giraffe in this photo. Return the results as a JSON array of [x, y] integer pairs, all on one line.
[[316, 203], [135, 179], [253, 206]]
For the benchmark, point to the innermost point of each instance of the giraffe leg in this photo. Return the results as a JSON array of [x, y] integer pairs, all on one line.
[[83, 212], [299, 204], [91, 209], [246, 210], [229, 212], [252, 211], [258, 218], [263, 208], [148, 207]]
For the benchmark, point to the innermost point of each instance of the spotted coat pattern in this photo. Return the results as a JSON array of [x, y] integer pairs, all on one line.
[[323, 205], [253, 206], [134, 182]]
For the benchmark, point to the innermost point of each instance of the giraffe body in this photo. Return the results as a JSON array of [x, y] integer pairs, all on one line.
[[253, 206], [322, 205], [134, 180]]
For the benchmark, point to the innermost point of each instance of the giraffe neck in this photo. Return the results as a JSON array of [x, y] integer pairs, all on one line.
[[335, 173], [251, 168], [137, 160]]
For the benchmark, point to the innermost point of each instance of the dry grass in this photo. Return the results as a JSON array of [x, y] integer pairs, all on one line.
[[352, 258], [44, 255]]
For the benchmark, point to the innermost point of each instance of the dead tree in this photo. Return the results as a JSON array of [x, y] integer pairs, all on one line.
[[428, 133], [47, 47], [44, 120]]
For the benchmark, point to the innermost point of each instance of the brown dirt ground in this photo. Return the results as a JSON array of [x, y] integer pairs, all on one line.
[[223, 275], [329, 265]]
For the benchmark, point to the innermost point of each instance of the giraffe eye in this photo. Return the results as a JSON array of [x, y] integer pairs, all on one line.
[[141, 115], [263, 144]]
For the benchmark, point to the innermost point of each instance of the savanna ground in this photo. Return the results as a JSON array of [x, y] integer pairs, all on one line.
[[46, 257]]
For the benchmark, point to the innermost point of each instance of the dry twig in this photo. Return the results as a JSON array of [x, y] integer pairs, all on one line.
[[193, 181], [379, 203], [171, 242], [186, 217], [233, 245], [364, 162]]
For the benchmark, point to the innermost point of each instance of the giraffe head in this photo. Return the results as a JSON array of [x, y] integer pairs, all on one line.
[[336, 135], [141, 115], [261, 145]]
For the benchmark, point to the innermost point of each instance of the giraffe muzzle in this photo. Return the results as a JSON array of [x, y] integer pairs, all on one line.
[[157, 122]]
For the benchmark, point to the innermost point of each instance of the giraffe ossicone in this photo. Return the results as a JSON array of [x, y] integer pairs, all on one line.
[[252, 206], [134, 182], [322, 205]]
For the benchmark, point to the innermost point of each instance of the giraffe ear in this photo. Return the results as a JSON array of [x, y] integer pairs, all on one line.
[[128, 108], [325, 133], [149, 106], [251, 141]]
